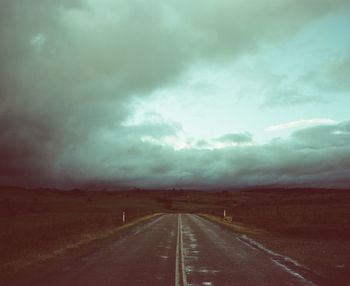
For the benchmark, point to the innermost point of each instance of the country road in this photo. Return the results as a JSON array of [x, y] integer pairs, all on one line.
[[171, 249]]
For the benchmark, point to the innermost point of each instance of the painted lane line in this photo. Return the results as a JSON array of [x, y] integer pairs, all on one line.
[[184, 278], [177, 273], [290, 271], [286, 263], [180, 274]]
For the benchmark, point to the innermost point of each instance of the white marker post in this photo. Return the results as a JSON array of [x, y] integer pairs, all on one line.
[[224, 213], [123, 217]]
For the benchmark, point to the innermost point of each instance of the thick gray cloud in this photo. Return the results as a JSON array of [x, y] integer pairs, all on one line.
[[315, 156], [338, 73], [69, 70], [240, 138], [310, 86]]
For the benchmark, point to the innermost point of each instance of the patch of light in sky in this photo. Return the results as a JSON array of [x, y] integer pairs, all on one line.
[[38, 41], [206, 104], [209, 105], [211, 101]]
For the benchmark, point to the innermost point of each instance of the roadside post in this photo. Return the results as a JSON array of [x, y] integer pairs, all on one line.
[[227, 218], [123, 217]]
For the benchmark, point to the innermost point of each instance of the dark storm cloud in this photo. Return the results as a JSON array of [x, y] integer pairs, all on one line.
[[69, 69], [315, 156], [324, 136]]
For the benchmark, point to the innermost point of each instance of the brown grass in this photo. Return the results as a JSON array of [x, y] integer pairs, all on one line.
[[318, 214], [38, 224]]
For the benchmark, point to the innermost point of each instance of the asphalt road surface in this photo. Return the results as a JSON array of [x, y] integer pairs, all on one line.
[[171, 249]]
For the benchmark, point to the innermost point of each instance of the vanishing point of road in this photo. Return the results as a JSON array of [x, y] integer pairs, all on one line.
[[170, 249]]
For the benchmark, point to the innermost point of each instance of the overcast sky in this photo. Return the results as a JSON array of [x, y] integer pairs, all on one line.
[[174, 93]]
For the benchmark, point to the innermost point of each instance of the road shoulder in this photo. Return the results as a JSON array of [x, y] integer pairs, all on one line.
[[326, 259]]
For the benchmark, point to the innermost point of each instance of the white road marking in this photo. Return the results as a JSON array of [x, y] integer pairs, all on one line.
[[260, 246], [276, 258], [287, 269], [179, 262], [177, 274], [295, 274], [184, 278], [147, 225]]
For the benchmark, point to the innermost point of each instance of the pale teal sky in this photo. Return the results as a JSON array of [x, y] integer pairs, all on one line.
[[277, 84]]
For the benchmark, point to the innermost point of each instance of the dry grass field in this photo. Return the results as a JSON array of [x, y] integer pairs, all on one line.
[[308, 225], [306, 213], [36, 224]]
